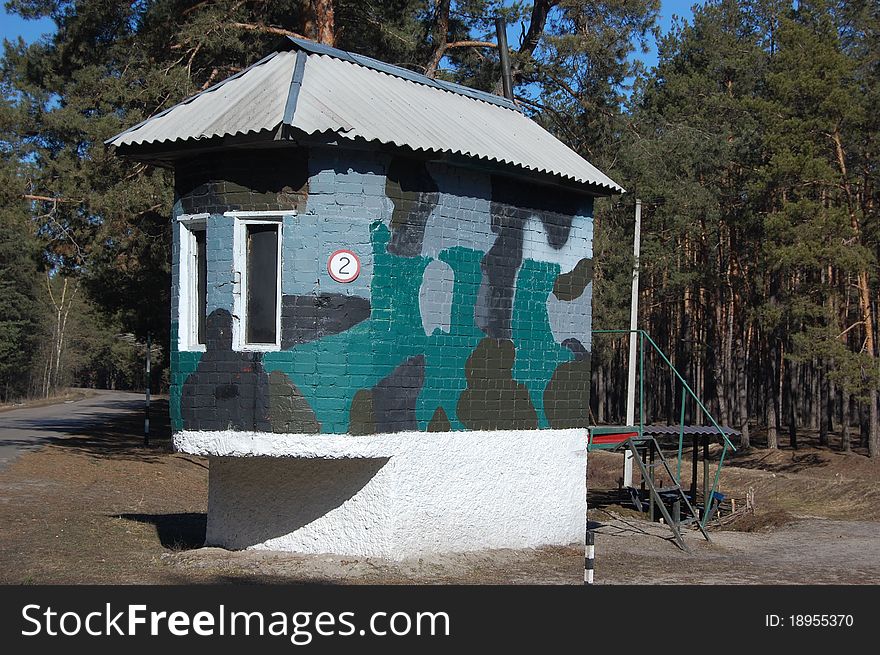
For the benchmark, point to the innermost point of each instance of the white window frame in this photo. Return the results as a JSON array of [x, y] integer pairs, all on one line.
[[239, 262], [188, 279]]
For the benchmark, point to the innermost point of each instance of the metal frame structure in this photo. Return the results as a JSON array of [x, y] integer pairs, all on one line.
[[686, 391]]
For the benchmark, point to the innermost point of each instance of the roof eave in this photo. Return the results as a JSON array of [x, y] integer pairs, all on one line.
[[166, 153]]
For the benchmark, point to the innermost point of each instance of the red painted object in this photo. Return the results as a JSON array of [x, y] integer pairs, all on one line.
[[618, 437]]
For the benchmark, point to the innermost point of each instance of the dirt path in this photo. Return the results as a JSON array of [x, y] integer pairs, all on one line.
[[29, 427], [806, 551], [94, 506]]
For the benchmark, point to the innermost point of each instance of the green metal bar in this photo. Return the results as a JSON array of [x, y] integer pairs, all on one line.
[[691, 391], [707, 501], [706, 493], [651, 466], [727, 443], [681, 435], [681, 493], [646, 478], [612, 429], [715, 482], [641, 383], [679, 376]]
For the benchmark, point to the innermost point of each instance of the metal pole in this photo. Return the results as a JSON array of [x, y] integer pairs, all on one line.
[[633, 320], [147, 405], [641, 384], [506, 78], [589, 557], [650, 453], [681, 435], [589, 539], [706, 500]]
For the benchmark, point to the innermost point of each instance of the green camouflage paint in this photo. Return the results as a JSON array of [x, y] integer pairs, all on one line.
[[182, 364], [371, 350], [326, 381]]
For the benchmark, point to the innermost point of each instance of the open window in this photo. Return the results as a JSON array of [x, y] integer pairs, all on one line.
[[258, 293], [193, 283]]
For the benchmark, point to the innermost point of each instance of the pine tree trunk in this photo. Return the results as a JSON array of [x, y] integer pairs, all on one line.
[[721, 366], [318, 21], [772, 421], [773, 382], [845, 445], [326, 22], [812, 413], [47, 376], [865, 308], [824, 408], [792, 413], [873, 425], [742, 393], [831, 404], [863, 425]]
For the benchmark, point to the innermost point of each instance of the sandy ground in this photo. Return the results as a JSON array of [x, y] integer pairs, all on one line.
[[94, 506]]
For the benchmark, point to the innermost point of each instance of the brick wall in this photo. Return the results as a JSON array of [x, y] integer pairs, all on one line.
[[242, 180], [471, 311]]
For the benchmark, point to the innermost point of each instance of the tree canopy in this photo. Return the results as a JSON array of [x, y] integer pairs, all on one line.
[[753, 144]]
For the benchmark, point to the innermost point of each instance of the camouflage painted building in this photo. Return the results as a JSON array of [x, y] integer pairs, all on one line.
[[460, 300]]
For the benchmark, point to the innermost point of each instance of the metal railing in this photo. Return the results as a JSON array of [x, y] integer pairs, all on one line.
[[685, 391]]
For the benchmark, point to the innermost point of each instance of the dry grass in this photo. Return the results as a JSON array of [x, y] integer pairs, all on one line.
[[808, 482], [99, 508]]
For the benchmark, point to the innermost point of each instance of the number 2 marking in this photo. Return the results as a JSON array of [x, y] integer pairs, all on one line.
[[344, 266]]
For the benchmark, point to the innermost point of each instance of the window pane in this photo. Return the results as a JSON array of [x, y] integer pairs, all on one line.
[[262, 283], [201, 299]]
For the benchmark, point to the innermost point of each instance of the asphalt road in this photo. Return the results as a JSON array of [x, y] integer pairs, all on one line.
[[29, 428]]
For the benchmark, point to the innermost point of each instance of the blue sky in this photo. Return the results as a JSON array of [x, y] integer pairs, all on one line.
[[668, 9], [12, 27]]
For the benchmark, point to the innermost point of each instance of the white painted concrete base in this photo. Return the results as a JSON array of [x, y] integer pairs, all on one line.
[[393, 495]]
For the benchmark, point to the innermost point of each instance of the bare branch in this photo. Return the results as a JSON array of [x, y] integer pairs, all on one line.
[[50, 216], [560, 120], [191, 59], [266, 29], [211, 78], [153, 208], [471, 44], [28, 196]]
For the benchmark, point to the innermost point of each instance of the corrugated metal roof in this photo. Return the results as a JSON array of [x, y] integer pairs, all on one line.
[[250, 101], [690, 430], [362, 60], [357, 97]]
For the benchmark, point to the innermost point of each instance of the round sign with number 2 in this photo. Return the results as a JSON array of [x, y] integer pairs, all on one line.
[[344, 266]]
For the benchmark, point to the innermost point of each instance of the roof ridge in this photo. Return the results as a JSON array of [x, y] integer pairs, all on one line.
[[296, 79], [313, 47]]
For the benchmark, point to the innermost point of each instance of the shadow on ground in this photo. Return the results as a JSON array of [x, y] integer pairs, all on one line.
[[183, 531], [117, 434], [604, 498], [186, 532], [796, 464]]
